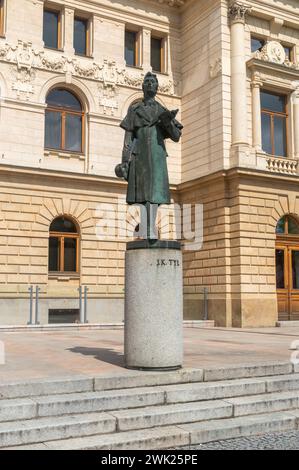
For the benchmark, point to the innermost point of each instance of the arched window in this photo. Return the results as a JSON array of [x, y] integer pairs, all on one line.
[[63, 246], [64, 122], [287, 225]]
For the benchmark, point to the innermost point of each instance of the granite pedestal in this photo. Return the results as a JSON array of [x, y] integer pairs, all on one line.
[[153, 305]]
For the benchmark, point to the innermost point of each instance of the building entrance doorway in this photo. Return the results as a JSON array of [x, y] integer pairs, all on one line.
[[287, 268]]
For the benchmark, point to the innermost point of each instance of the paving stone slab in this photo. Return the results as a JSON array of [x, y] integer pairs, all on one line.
[[155, 438], [59, 427], [213, 390], [45, 387], [247, 371], [208, 431], [171, 414], [20, 408], [282, 383], [266, 403], [145, 379], [56, 405]]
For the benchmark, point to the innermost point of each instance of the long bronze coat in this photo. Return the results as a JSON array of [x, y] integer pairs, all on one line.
[[148, 176]]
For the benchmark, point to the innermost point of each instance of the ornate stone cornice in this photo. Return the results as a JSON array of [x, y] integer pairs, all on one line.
[[237, 12], [172, 3]]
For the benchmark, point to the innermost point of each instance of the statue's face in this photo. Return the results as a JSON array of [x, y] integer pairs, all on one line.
[[150, 86]]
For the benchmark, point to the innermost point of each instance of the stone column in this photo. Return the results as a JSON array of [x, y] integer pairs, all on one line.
[[256, 112], [237, 13], [296, 122]]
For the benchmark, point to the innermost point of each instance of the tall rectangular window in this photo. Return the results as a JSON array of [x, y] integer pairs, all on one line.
[[157, 54], [2, 16], [274, 123], [81, 36], [131, 48], [52, 28]]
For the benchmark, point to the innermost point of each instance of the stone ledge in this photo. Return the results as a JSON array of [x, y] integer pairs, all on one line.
[[91, 326]]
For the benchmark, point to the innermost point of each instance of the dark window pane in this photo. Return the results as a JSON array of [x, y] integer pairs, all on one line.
[[295, 269], [293, 226], [280, 138], [280, 269], [130, 47], [70, 254], [288, 51], [266, 133], [63, 99], [61, 224], [54, 254], [50, 32], [276, 103], [257, 44], [156, 53], [80, 36], [53, 130], [280, 227], [73, 133]]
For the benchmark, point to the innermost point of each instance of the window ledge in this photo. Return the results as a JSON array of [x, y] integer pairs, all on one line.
[[60, 154], [64, 277], [137, 67]]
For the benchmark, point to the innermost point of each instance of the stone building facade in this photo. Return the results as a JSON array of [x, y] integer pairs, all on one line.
[[231, 68]]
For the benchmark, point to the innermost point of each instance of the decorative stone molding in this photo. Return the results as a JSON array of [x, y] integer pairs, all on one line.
[[216, 68], [256, 81], [282, 165], [274, 52], [237, 12], [109, 73], [172, 3]]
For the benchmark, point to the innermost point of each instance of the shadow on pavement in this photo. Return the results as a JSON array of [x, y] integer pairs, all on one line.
[[105, 355]]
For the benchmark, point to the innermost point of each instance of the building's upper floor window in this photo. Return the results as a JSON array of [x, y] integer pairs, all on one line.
[[82, 36], [158, 54], [64, 122], [274, 123], [52, 28], [63, 246], [132, 48], [257, 44], [2, 17], [289, 53]]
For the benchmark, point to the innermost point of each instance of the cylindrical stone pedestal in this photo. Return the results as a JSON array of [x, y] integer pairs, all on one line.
[[154, 305]]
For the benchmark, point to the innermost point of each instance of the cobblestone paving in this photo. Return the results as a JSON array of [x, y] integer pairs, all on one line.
[[274, 441]]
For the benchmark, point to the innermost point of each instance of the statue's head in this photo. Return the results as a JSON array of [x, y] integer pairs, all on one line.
[[150, 85]]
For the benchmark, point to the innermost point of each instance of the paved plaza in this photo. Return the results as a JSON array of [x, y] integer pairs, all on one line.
[[30, 355]]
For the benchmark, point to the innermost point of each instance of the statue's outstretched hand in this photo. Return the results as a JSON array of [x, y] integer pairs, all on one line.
[[122, 170]]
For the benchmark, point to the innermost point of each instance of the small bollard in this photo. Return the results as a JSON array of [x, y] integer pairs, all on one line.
[[80, 305], [30, 289], [37, 290], [85, 304]]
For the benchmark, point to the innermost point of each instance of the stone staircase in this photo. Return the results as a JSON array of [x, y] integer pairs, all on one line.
[[146, 410]]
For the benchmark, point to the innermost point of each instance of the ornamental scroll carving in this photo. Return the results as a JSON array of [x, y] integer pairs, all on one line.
[[237, 12], [108, 73]]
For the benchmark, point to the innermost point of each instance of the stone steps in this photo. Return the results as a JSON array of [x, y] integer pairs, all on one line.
[[167, 437], [149, 410]]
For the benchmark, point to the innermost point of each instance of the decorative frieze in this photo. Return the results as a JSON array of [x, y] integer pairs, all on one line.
[[109, 73], [274, 52]]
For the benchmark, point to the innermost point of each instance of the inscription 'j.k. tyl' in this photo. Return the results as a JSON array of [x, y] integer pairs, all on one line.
[[168, 262]]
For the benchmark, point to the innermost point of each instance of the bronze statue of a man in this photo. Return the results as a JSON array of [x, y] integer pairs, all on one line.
[[144, 164]]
